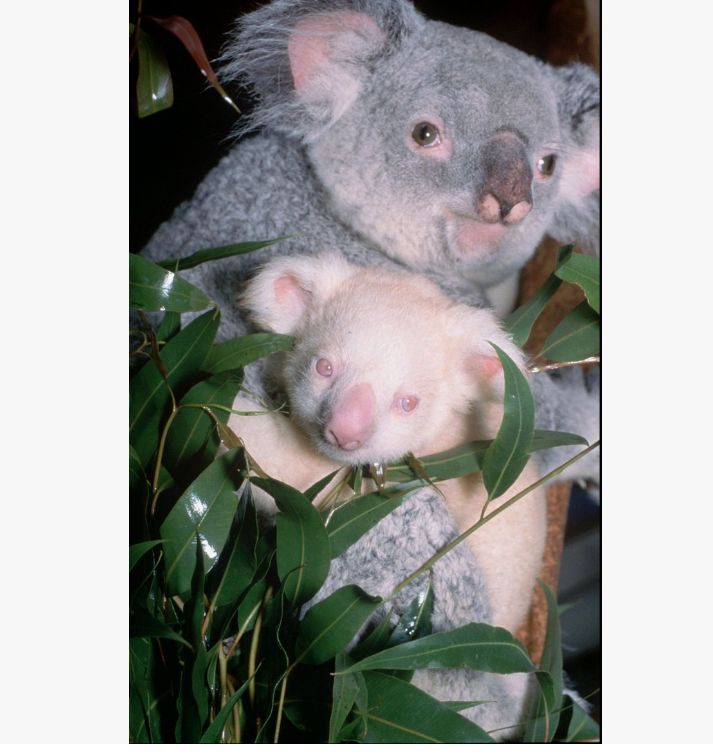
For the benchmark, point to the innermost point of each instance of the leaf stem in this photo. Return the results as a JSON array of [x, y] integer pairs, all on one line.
[[281, 704], [540, 366], [253, 646], [427, 565]]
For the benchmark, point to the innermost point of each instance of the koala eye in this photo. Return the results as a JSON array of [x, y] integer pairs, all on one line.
[[324, 367], [408, 403], [546, 164], [425, 134]]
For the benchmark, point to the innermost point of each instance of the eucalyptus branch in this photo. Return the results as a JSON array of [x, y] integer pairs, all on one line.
[[543, 364], [427, 565]]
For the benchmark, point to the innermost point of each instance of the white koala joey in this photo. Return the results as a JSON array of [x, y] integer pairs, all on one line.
[[385, 364]]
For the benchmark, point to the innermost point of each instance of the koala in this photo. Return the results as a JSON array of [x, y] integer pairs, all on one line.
[[385, 364], [406, 144]]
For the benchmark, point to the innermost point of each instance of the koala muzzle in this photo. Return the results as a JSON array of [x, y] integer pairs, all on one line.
[[352, 418], [506, 196]]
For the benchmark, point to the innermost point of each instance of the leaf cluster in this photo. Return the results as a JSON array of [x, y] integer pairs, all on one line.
[[221, 647]]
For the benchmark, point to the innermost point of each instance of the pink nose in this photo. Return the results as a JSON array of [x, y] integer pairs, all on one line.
[[352, 419]]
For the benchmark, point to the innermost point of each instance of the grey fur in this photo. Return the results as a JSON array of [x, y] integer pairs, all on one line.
[[337, 169]]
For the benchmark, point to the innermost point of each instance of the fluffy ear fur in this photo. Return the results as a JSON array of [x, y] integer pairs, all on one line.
[[578, 96], [283, 293], [307, 60], [477, 329]]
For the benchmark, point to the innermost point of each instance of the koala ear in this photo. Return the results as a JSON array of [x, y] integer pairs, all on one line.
[[477, 329], [284, 293], [578, 100], [307, 60]]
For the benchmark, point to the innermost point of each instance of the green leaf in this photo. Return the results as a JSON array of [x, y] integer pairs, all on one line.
[[313, 491], [584, 271], [329, 625], [239, 568], [415, 622], [192, 440], [170, 326], [216, 253], [576, 726], [151, 288], [237, 353], [376, 641], [546, 439], [345, 690], [519, 323], [303, 552], [475, 646], [463, 705], [401, 713], [509, 452], [204, 512], [154, 89], [576, 337], [146, 626], [212, 734], [543, 724], [149, 398], [138, 550], [350, 521]]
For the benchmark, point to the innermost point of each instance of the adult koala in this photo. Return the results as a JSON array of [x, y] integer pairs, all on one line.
[[414, 145]]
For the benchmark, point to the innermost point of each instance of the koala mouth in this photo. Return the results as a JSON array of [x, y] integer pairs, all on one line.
[[471, 238]]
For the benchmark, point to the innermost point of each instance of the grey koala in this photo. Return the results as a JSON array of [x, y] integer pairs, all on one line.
[[417, 146]]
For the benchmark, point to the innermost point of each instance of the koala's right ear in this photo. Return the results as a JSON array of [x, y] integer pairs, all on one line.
[[285, 292], [307, 60]]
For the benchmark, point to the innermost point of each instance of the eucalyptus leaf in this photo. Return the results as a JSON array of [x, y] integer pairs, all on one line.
[[216, 253], [192, 440], [154, 88], [202, 514], [576, 337], [303, 551], [463, 705], [212, 734], [401, 713], [475, 646], [170, 326], [138, 550], [151, 288], [237, 353], [146, 626], [329, 625], [546, 439], [584, 271], [519, 323], [376, 641], [415, 622], [576, 726], [344, 694], [542, 724], [508, 454], [314, 490], [149, 397]]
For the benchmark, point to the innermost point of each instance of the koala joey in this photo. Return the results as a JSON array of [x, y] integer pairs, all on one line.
[[384, 364]]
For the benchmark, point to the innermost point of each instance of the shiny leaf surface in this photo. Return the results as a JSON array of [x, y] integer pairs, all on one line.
[[401, 713], [329, 625], [584, 271], [519, 323], [509, 452], [303, 551], [150, 399], [151, 288], [576, 337], [216, 253], [204, 512], [138, 550], [154, 88], [237, 353], [475, 646]]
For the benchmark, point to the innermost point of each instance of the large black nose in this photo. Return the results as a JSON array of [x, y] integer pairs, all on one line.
[[506, 194]]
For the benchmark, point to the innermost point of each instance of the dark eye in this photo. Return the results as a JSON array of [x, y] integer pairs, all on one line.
[[324, 367], [546, 164], [425, 134]]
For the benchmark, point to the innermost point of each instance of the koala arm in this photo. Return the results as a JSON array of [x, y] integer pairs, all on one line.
[[279, 446]]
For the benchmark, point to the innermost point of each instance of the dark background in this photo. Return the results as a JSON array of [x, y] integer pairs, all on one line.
[[172, 151]]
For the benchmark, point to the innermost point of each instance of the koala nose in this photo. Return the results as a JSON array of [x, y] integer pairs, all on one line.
[[352, 418], [506, 196]]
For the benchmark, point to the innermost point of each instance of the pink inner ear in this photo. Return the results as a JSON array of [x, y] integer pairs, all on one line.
[[487, 366], [313, 41], [290, 297]]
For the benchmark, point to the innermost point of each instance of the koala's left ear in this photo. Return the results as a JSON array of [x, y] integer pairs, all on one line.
[[288, 290], [481, 366], [578, 101]]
